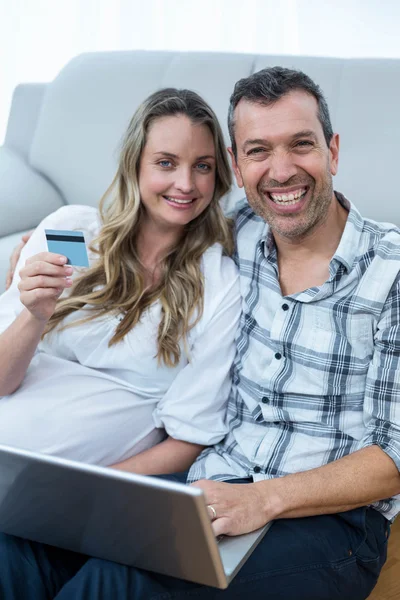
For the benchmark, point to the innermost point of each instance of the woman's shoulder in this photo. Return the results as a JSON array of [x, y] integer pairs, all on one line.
[[221, 287], [74, 217], [221, 275], [217, 265]]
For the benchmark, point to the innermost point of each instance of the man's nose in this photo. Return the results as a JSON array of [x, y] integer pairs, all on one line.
[[184, 180], [281, 166]]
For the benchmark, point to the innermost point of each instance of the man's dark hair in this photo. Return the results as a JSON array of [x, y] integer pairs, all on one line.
[[268, 86]]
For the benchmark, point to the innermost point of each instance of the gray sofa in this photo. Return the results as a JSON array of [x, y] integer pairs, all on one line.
[[62, 138]]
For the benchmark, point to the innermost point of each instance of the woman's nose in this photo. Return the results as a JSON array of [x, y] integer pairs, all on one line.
[[184, 180]]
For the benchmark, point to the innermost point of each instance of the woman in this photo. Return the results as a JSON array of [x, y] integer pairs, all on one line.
[[97, 367]]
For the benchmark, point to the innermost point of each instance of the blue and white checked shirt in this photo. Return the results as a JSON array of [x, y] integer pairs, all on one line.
[[316, 374]]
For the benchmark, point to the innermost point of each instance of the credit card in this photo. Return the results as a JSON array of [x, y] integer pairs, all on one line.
[[70, 244]]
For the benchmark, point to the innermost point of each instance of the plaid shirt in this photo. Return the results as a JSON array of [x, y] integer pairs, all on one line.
[[317, 373]]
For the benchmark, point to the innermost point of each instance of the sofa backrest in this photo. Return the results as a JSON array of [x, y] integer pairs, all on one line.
[[86, 109]]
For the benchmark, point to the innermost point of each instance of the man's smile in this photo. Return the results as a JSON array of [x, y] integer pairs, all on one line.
[[286, 198]]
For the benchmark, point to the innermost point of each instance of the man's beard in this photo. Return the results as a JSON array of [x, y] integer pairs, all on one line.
[[297, 226]]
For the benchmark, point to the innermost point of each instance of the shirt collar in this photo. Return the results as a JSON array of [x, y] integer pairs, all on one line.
[[349, 244], [347, 250]]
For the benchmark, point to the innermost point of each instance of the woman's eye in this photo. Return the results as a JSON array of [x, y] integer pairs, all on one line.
[[165, 163], [203, 167]]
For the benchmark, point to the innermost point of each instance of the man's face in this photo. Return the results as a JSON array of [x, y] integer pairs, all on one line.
[[284, 164]]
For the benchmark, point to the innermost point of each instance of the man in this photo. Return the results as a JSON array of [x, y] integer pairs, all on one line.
[[314, 410]]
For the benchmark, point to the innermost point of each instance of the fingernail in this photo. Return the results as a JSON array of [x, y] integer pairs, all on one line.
[[68, 270], [62, 259], [68, 281]]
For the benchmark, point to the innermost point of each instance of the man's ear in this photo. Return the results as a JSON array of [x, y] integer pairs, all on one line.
[[334, 153], [235, 168]]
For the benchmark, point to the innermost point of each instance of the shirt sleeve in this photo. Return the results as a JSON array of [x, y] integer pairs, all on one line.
[[382, 393], [83, 218], [194, 407]]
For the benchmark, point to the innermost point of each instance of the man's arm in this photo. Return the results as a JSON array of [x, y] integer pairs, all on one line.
[[359, 479], [366, 476], [170, 456], [16, 253]]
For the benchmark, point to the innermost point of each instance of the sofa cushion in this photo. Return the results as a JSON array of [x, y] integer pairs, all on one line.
[[25, 196], [87, 108]]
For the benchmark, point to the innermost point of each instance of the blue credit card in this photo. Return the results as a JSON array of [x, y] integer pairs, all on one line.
[[70, 244]]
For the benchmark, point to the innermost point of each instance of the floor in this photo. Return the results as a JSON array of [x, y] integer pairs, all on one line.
[[388, 586]]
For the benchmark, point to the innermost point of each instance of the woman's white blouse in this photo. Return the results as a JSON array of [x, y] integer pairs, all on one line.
[[84, 400]]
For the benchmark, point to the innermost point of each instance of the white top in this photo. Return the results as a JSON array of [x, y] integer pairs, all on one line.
[[83, 400]]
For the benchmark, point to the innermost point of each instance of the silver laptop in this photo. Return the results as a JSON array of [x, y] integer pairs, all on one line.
[[135, 520]]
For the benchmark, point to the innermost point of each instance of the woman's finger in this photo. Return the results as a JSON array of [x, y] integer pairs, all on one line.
[[41, 267], [42, 281], [48, 257]]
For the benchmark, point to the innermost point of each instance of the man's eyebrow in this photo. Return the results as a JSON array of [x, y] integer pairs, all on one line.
[[309, 133], [255, 142]]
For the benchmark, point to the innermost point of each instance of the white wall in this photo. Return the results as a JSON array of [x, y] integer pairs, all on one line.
[[37, 37]]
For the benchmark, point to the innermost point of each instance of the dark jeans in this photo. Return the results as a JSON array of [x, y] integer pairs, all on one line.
[[327, 557]]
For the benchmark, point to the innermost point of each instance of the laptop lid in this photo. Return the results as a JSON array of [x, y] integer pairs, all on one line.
[[137, 520]]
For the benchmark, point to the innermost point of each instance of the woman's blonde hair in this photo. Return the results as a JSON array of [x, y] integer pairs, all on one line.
[[116, 282]]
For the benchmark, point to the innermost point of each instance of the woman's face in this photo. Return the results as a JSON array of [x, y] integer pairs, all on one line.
[[177, 171]]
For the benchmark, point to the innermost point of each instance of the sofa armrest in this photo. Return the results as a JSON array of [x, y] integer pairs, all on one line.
[[25, 196], [24, 113]]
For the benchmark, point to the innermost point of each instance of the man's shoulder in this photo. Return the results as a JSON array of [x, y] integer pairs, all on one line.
[[380, 238], [246, 219]]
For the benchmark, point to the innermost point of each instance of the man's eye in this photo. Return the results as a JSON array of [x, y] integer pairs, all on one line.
[[255, 151], [304, 143]]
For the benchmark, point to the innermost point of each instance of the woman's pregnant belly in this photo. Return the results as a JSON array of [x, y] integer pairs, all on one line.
[[66, 409]]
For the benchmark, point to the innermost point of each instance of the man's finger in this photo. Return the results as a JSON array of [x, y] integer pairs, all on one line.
[[9, 278], [15, 256], [220, 526], [26, 236]]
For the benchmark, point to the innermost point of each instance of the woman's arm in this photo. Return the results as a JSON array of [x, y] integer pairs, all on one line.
[[43, 279], [170, 456], [38, 281]]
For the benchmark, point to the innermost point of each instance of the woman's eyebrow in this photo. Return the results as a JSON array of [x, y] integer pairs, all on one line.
[[171, 155], [167, 154], [205, 157]]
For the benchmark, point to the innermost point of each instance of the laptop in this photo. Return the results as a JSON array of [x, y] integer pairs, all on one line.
[[136, 520]]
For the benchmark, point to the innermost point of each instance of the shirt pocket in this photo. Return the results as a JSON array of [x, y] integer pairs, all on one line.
[[347, 341]]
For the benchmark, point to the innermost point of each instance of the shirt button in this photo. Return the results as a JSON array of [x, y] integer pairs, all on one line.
[[285, 306], [257, 469], [265, 400], [278, 356]]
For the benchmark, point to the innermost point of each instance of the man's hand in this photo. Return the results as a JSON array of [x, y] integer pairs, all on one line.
[[239, 508], [15, 257]]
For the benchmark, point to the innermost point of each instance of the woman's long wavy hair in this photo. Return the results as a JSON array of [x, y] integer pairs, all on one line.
[[116, 282]]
